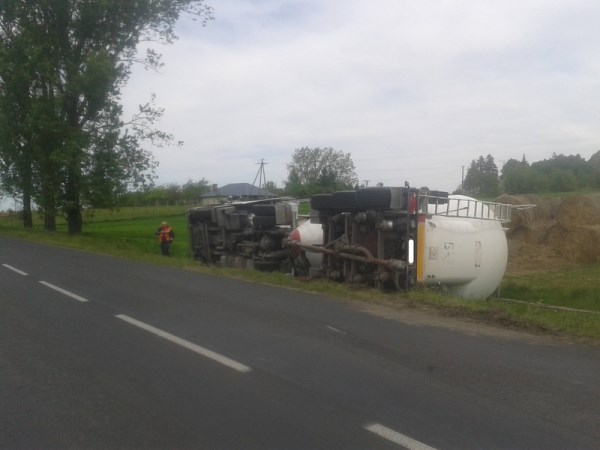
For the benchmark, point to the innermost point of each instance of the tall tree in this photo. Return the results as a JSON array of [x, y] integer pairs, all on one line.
[[594, 165], [319, 169], [16, 151], [193, 190], [594, 161], [482, 177], [80, 54], [518, 178]]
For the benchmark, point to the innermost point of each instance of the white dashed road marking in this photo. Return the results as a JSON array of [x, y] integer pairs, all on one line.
[[186, 344], [396, 438], [14, 269], [62, 291], [376, 428]]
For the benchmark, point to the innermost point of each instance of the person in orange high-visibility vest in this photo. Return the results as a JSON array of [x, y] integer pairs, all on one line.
[[165, 236]]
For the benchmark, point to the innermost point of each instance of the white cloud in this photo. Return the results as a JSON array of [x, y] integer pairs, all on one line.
[[413, 89]]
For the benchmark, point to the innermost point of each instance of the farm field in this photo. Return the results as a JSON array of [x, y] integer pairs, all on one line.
[[129, 233]]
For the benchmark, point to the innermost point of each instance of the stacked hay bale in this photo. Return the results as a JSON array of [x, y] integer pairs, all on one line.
[[531, 224], [527, 233], [555, 233], [576, 234]]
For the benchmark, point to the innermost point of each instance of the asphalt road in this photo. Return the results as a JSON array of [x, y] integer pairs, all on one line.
[[98, 352]]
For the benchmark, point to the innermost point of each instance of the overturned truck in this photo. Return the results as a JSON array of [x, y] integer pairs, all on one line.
[[400, 237], [388, 237], [246, 234]]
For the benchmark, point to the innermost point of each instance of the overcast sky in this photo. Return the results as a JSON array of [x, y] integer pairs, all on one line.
[[412, 89]]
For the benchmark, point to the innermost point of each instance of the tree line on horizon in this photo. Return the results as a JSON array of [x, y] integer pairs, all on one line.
[[560, 173], [310, 171], [323, 170]]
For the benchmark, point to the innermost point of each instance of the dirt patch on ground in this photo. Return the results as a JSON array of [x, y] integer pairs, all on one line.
[[554, 234]]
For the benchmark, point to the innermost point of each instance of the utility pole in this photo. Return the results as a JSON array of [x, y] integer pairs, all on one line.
[[462, 181], [260, 175]]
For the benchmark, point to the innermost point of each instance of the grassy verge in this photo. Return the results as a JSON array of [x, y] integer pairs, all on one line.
[[574, 288], [524, 316], [129, 233]]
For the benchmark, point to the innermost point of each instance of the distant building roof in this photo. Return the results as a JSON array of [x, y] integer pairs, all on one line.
[[238, 190]]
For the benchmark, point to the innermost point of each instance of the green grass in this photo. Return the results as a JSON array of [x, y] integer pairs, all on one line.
[[573, 288], [304, 208], [522, 316], [129, 233]]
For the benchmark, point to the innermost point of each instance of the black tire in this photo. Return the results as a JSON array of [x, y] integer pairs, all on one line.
[[382, 198], [264, 210], [321, 202], [344, 201]]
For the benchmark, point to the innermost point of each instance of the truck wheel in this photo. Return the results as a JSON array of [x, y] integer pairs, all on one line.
[[382, 198], [344, 201], [321, 202], [374, 198]]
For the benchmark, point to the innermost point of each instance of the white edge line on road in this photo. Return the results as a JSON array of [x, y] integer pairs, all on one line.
[[14, 269], [186, 344], [335, 329], [62, 291], [396, 438]]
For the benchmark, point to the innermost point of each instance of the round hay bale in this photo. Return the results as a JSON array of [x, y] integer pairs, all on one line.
[[579, 245], [544, 210], [583, 210], [524, 258]]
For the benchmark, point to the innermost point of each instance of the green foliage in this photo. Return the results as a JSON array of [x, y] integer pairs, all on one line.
[[63, 64], [482, 178], [170, 194], [314, 170], [193, 190], [558, 174], [517, 177]]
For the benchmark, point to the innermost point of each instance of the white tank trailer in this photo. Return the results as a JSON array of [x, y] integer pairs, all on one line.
[[400, 237]]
